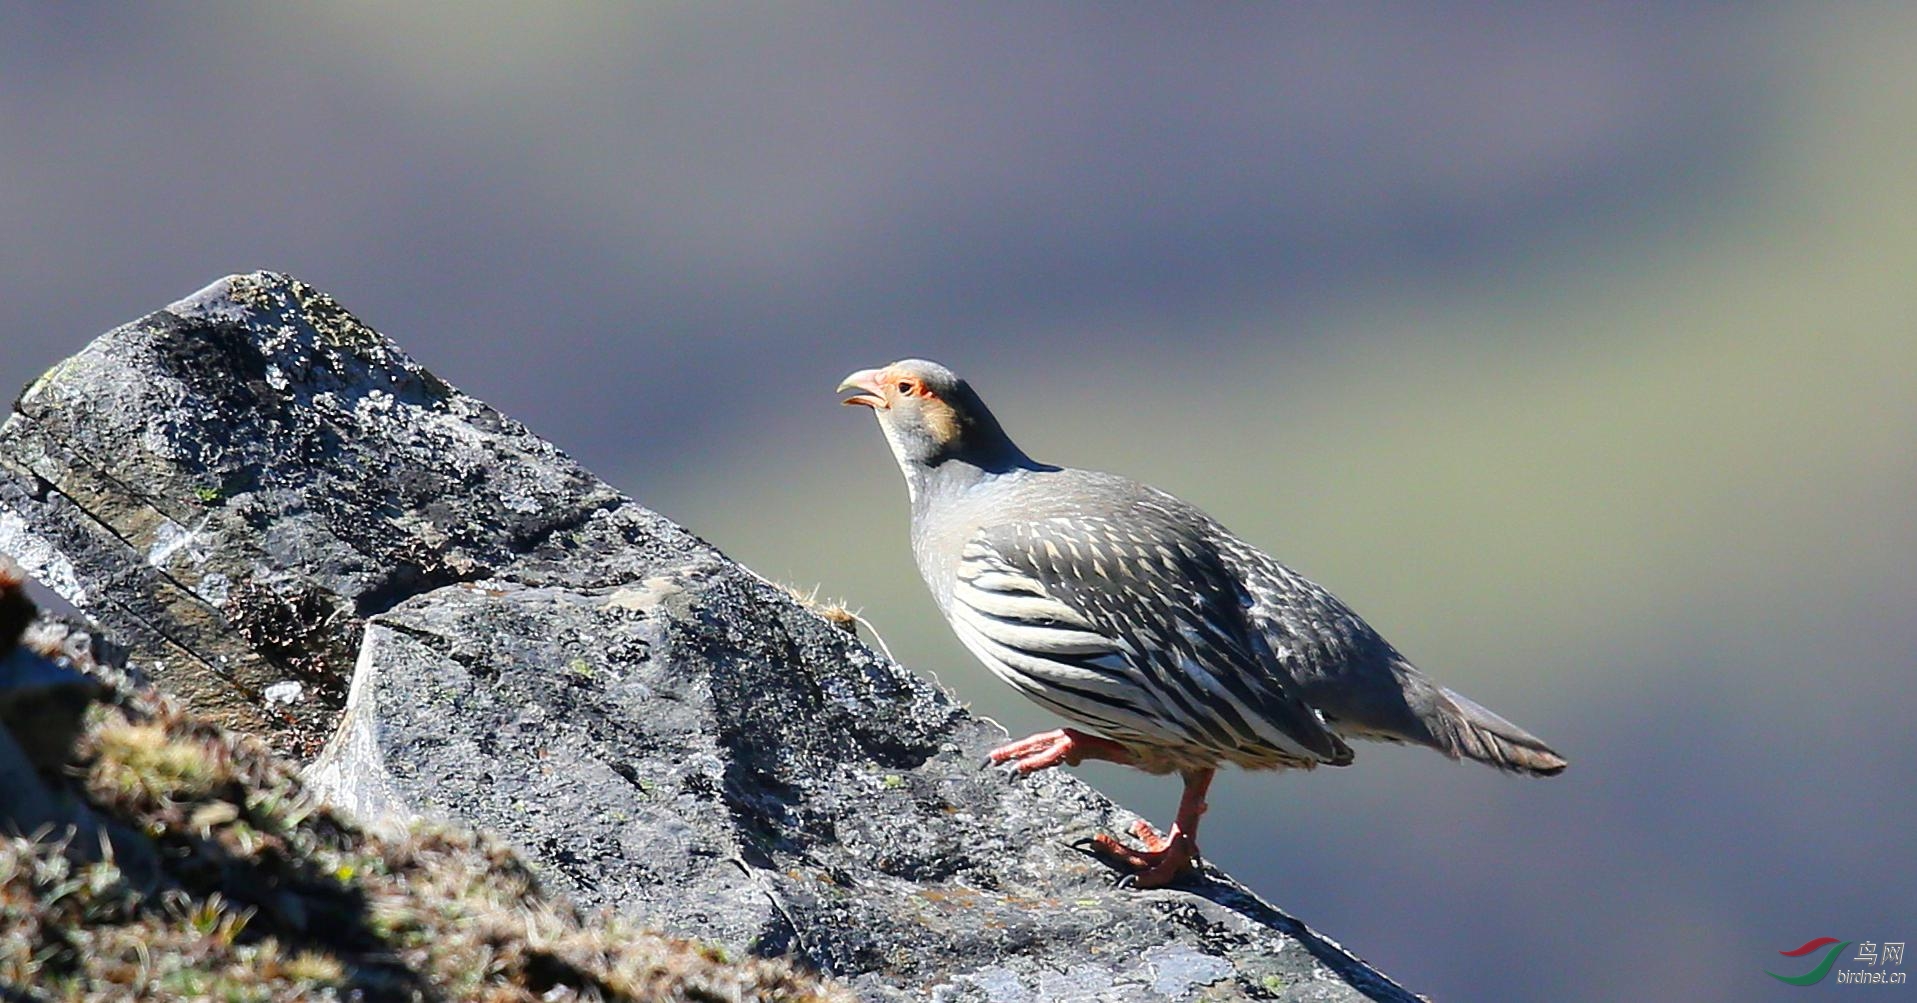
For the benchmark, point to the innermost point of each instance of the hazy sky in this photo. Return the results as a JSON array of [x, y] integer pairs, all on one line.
[[578, 215]]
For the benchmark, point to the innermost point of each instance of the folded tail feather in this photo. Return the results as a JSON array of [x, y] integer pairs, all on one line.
[[1462, 728]]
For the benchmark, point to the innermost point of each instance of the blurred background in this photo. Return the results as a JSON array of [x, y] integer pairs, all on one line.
[[1575, 346]]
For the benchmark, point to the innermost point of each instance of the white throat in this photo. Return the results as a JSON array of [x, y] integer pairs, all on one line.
[[914, 473]]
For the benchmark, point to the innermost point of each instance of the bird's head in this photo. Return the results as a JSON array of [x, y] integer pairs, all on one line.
[[930, 415]]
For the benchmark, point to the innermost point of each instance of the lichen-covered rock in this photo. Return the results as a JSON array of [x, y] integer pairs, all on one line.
[[232, 484], [247, 485]]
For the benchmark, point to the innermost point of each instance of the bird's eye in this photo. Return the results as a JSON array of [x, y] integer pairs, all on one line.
[[905, 386]]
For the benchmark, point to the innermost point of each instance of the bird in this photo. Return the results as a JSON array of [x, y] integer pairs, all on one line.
[[1168, 643]]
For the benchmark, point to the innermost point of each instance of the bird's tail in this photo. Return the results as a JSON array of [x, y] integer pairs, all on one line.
[[1460, 727]]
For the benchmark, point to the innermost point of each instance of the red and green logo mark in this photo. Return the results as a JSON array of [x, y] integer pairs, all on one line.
[[1815, 975]]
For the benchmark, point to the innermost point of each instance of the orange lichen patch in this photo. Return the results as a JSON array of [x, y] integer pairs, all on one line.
[[953, 898]]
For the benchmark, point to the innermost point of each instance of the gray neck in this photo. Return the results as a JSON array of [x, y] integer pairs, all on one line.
[[935, 484]]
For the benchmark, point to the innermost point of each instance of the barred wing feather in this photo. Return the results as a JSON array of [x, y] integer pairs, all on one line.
[[1144, 639]]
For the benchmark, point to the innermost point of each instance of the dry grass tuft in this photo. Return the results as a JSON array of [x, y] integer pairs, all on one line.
[[836, 613]]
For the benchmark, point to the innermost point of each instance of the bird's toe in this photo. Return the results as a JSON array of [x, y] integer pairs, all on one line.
[[1168, 859], [1146, 833]]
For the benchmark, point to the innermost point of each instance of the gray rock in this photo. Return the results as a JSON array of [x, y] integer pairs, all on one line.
[[247, 486], [41, 703], [232, 484]]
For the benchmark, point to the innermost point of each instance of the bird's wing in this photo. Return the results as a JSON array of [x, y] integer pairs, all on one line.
[[1352, 676], [1137, 631]]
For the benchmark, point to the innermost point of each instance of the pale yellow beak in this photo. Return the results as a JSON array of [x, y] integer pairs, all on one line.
[[868, 381]]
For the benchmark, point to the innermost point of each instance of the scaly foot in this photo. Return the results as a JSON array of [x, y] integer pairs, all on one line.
[[1164, 859]]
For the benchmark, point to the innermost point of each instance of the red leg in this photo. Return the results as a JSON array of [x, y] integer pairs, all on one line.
[[1165, 858], [1066, 745]]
